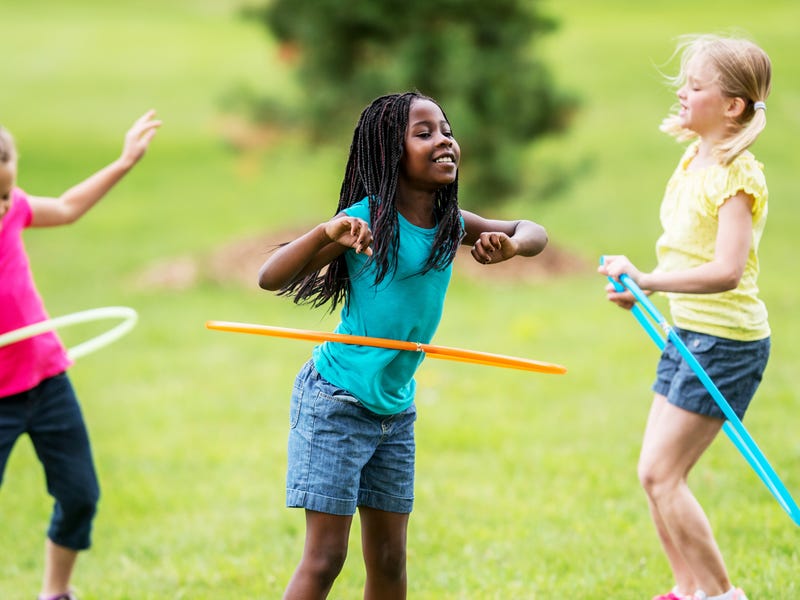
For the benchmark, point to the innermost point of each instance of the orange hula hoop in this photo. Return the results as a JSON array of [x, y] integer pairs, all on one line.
[[434, 351]]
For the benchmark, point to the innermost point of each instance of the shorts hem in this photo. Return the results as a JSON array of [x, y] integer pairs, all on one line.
[[385, 502], [705, 410], [319, 503]]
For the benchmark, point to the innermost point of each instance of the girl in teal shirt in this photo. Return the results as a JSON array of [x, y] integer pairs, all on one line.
[[386, 256]]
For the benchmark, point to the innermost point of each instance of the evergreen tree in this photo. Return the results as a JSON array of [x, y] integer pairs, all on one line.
[[475, 57]]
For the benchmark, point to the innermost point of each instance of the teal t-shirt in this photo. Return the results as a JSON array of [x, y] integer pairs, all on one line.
[[405, 306]]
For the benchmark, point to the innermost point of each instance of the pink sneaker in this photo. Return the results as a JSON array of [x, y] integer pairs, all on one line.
[[672, 595]]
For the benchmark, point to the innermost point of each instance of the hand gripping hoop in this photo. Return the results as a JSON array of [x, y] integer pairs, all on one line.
[[128, 316]]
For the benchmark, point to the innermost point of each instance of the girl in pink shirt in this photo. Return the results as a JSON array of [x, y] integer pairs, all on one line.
[[36, 396]]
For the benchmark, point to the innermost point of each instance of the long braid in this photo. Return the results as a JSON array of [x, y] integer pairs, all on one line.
[[372, 170]]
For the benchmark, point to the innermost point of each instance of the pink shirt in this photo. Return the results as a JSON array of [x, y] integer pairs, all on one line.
[[26, 363]]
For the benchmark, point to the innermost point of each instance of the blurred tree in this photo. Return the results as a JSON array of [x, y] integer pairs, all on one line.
[[475, 57]]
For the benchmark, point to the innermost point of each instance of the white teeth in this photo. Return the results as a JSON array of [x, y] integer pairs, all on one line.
[[444, 159]]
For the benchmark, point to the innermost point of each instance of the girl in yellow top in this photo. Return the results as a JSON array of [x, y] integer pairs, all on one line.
[[713, 215]]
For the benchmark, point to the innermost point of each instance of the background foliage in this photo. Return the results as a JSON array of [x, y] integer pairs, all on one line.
[[526, 484], [479, 59]]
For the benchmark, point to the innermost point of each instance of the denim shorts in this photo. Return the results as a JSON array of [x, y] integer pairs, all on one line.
[[735, 368], [342, 455]]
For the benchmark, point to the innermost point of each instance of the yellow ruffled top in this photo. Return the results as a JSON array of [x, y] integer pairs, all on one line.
[[690, 217]]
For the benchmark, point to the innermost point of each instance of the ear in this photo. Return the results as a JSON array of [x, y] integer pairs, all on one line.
[[735, 107]]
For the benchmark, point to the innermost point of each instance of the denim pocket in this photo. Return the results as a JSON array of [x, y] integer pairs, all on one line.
[[303, 379], [295, 406], [340, 396], [698, 344]]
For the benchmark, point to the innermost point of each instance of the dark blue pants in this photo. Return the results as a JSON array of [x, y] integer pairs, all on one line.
[[51, 416]]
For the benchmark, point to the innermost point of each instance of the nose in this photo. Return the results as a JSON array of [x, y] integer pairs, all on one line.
[[444, 140]]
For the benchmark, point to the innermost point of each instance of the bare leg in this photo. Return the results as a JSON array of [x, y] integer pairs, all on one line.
[[674, 441], [383, 539], [58, 564], [323, 556]]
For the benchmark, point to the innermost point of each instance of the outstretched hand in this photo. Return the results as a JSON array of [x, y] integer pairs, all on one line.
[[351, 232], [493, 247], [138, 137]]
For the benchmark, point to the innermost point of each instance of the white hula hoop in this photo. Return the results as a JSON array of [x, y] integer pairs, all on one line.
[[128, 315]]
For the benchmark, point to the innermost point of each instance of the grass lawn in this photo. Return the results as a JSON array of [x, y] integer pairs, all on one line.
[[526, 483]]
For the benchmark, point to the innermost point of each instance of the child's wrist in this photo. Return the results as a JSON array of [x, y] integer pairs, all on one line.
[[123, 164]]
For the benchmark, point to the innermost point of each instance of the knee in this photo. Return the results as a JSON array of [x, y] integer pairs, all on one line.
[[79, 504], [654, 482], [390, 561], [325, 565]]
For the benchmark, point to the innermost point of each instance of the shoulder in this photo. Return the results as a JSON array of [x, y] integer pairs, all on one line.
[[359, 209], [744, 174], [20, 207]]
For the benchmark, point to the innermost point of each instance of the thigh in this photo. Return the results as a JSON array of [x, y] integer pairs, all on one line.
[[735, 368], [383, 533], [674, 440], [331, 438], [327, 535], [61, 440], [12, 425], [387, 480]]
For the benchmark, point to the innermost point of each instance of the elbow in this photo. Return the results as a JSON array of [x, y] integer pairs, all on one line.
[[264, 285], [540, 241], [729, 280], [730, 284], [543, 240], [268, 282]]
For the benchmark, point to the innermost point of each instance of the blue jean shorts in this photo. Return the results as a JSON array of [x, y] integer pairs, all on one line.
[[342, 455], [735, 367]]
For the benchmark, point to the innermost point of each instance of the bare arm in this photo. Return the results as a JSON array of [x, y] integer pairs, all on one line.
[[76, 201], [313, 250], [494, 240], [722, 273]]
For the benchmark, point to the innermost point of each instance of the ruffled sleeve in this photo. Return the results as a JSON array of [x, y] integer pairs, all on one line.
[[745, 174]]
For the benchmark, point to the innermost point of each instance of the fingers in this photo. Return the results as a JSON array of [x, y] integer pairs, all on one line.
[[492, 247], [623, 299], [363, 236], [138, 137], [351, 232], [145, 127], [615, 266]]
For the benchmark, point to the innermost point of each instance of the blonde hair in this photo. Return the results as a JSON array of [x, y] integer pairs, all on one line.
[[8, 151], [743, 70]]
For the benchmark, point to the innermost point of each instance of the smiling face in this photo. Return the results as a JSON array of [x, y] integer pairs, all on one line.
[[703, 106], [430, 152]]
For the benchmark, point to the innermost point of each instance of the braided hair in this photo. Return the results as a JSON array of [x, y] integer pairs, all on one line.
[[372, 171]]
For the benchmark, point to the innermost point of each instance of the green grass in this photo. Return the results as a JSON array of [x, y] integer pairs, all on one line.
[[526, 483]]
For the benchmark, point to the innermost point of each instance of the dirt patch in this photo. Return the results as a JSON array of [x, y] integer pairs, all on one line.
[[238, 262]]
